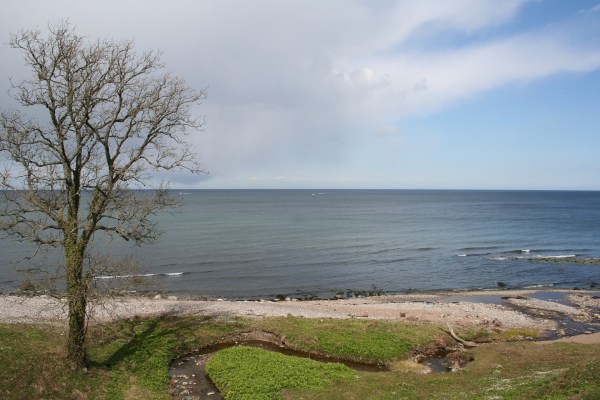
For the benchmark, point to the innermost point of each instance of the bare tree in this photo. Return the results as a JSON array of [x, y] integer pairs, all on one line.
[[97, 120]]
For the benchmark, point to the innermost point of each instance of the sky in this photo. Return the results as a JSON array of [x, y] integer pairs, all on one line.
[[387, 94]]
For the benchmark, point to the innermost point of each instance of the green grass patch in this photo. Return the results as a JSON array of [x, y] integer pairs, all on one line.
[[247, 373], [33, 366], [507, 371], [129, 360], [507, 335], [144, 347], [369, 341]]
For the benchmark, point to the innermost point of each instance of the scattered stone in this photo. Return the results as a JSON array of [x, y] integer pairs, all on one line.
[[457, 361], [172, 297], [157, 297], [77, 395]]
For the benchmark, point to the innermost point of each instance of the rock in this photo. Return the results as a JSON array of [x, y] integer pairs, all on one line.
[[457, 361], [157, 297], [77, 395], [172, 298]]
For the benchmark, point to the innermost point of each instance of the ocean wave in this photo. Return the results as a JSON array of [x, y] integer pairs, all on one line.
[[473, 254], [555, 256], [498, 258], [480, 248], [541, 285], [392, 261], [140, 275]]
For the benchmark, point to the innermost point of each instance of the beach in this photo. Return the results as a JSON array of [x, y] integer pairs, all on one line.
[[565, 313]]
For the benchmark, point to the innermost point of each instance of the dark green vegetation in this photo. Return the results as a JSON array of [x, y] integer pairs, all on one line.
[[283, 372], [129, 360]]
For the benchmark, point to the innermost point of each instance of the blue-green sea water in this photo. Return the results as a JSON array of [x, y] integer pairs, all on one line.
[[260, 243]]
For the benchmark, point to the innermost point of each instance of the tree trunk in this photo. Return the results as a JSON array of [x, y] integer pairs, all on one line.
[[76, 296]]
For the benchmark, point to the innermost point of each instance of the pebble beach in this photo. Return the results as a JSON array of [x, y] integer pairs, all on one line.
[[514, 309]]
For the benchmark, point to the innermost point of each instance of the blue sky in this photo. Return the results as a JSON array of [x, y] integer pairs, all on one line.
[[456, 94]]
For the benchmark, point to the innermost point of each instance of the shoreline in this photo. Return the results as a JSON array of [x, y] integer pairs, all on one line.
[[558, 312]]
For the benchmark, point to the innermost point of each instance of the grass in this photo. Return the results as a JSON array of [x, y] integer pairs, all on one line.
[[369, 341], [507, 335], [129, 360], [501, 371], [240, 373], [33, 366]]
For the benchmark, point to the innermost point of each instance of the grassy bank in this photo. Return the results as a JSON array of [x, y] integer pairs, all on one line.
[[129, 360]]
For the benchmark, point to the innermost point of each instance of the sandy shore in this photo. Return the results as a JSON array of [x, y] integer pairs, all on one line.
[[515, 309]]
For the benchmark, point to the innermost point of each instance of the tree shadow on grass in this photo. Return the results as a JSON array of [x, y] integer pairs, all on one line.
[[158, 335]]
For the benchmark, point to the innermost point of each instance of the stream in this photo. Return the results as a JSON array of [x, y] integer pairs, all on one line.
[[189, 380]]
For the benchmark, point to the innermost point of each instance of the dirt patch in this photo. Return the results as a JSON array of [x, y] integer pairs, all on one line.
[[592, 338]]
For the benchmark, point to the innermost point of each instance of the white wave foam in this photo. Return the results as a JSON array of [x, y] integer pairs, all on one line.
[[558, 256], [526, 251], [139, 275], [538, 286], [498, 258], [462, 255]]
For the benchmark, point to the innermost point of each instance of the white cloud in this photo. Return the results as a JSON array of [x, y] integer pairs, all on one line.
[[591, 10], [422, 83]]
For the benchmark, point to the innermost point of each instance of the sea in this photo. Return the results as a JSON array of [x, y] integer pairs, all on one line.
[[253, 244]]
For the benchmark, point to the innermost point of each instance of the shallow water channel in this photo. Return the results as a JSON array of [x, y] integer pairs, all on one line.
[[190, 381]]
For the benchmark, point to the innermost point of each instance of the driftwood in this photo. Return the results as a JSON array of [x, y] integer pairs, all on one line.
[[458, 339]]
